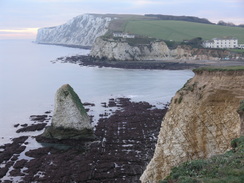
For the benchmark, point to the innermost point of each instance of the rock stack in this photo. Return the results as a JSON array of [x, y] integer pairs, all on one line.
[[70, 120]]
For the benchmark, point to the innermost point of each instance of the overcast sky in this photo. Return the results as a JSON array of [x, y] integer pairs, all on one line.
[[21, 18]]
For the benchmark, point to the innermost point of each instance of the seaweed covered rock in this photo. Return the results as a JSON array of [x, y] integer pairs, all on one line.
[[70, 120]]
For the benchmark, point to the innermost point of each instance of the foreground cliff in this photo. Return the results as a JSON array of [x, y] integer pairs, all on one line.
[[201, 121], [80, 31], [142, 49]]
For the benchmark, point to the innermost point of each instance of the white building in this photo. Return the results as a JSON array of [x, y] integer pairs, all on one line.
[[241, 46], [226, 42], [123, 35]]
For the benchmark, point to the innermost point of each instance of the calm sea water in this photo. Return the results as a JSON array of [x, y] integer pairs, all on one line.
[[28, 82]]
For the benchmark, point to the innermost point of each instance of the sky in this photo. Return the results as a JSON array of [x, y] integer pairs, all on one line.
[[20, 19]]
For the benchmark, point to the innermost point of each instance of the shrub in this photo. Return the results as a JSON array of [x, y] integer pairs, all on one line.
[[225, 168]]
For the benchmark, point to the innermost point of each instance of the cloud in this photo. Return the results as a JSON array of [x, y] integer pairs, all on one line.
[[19, 30], [59, 1], [27, 33], [160, 2]]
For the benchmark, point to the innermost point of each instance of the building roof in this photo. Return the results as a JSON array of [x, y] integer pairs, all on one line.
[[225, 38]]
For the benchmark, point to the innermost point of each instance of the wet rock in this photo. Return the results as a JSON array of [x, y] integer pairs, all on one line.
[[35, 127], [16, 172], [42, 122], [3, 171], [111, 103], [125, 144], [37, 153], [84, 60], [11, 150], [9, 181], [88, 104], [24, 125], [20, 164], [15, 157], [39, 118], [16, 125], [104, 104]]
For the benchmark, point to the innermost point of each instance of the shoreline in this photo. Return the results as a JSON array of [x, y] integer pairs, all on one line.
[[86, 60], [65, 45], [125, 144]]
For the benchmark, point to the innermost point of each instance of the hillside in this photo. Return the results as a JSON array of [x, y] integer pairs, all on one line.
[[83, 30], [181, 30], [228, 167], [180, 18]]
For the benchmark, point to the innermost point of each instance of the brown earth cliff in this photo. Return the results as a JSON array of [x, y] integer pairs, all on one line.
[[201, 121]]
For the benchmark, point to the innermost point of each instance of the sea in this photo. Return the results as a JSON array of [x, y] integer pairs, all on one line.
[[29, 80]]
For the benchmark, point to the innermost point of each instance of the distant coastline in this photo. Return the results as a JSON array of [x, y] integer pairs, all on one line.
[[84, 60], [65, 45]]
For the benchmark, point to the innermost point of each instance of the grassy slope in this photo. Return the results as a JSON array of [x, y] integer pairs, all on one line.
[[212, 69], [121, 21], [181, 30], [226, 168]]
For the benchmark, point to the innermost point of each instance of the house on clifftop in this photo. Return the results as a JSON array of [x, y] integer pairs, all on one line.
[[123, 35], [225, 42]]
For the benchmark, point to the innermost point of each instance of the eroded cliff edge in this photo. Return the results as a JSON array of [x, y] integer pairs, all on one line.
[[201, 121], [142, 49]]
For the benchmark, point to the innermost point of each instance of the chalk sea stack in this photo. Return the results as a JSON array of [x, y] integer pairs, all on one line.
[[70, 120]]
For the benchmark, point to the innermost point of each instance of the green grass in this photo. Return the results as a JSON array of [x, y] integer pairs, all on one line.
[[212, 69], [237, 50], [226, 168], [241, 108], [119, 24], [181, 30]]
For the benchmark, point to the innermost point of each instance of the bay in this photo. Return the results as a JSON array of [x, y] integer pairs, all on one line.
[[29, 80]]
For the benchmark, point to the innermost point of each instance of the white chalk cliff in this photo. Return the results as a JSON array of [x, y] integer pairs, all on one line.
[[80, 31], [111, 49]]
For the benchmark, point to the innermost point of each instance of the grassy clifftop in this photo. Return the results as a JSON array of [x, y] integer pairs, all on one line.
[[182, 30], [212, 69], [176, 30], [226, 168]]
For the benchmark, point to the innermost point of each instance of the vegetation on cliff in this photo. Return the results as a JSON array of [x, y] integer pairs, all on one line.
[[225, 168], [241, 108], [181, 30], [213, 69]]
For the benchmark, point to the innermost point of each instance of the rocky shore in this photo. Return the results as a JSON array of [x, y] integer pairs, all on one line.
[[124, 145], [86, 60]]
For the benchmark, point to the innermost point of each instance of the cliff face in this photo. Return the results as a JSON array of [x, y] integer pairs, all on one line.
[[117, 50], [80, 31], [201, 121], [111, 49]]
